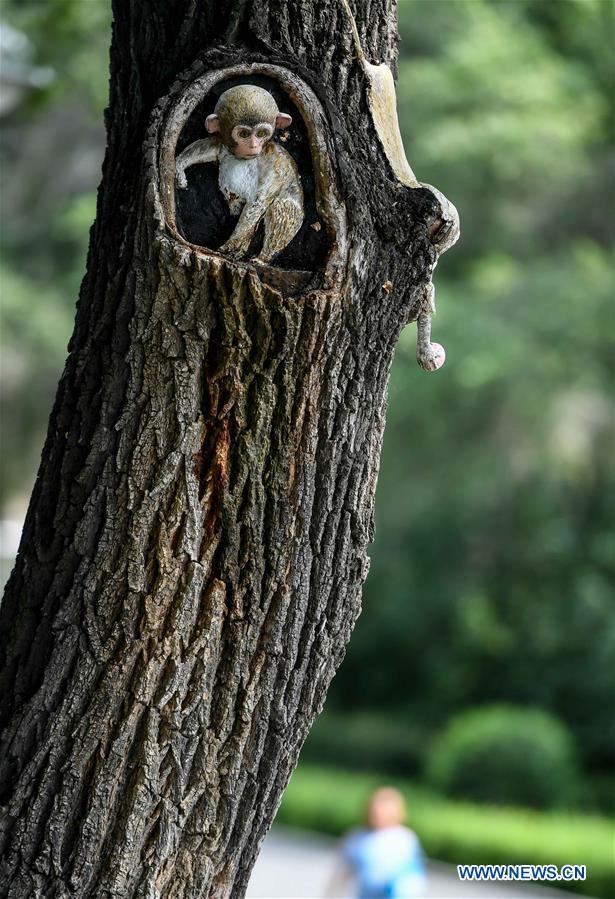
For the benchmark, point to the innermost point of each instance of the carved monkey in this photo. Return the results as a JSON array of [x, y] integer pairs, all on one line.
[[258, 177]]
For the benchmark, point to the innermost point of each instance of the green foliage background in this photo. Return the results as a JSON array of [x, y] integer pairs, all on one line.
[[492, 569]]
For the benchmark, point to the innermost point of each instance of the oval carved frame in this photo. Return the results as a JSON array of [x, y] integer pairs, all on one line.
[[329, 203]]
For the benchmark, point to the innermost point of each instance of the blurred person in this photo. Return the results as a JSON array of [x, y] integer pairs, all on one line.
[[384, 858]]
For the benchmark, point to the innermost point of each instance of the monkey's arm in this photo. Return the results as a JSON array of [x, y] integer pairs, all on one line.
[[206, 150], [251, 214], [430, 356]]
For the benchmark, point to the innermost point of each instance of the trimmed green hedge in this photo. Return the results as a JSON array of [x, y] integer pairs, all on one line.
[[506, 755], [333, 801]]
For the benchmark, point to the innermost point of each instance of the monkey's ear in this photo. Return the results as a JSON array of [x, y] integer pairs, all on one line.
[[283, 120], [212, 123]]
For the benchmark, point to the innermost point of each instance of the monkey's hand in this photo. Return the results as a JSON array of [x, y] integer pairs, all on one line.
[[235, 247], [182, 181]]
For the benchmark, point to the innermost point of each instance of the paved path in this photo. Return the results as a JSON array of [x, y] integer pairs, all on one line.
[[298, 865]]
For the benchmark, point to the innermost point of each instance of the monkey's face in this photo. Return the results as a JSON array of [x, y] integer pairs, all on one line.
[[246, 117], [247, 141]]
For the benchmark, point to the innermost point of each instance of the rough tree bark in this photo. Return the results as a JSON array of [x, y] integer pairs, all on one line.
[[192, 560]]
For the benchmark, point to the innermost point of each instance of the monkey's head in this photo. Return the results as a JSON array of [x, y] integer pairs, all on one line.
[[246, 117]]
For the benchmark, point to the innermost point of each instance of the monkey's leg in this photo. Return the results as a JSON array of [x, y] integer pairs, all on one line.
[[282, 221]]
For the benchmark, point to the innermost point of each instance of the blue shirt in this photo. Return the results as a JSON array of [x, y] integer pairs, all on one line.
[[387, 862]]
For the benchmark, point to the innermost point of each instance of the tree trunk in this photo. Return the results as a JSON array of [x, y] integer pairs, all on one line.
[[192, 559]]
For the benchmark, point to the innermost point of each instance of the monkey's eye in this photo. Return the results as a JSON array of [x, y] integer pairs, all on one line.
[[244, 133], [262, 133]]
